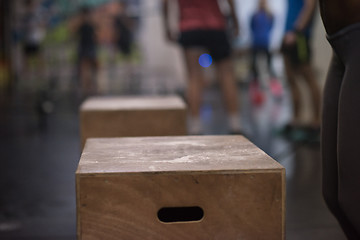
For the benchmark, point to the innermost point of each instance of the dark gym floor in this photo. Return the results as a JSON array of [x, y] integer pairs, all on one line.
[[39, 157]]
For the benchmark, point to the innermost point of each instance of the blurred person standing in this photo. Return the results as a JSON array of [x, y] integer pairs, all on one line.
[[124, 27], [123, 30], [297, 60], [261, 25], [33, 30], [202, 26], [341, 115], [33, 34], [85, 31]]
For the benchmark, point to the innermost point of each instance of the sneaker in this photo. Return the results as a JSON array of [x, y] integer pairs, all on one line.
[[313, 133], [300, 134], [256, 95], [285, 131]]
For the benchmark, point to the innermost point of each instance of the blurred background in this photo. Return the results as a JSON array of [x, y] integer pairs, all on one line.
[[42, 87]]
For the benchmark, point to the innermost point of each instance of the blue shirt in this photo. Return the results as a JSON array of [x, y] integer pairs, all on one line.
[[294, 9], [261, 25]]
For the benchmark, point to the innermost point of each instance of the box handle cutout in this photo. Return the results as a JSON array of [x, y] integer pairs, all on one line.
[[180, 214]]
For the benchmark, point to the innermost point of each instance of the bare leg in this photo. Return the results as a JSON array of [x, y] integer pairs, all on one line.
[[227, 81], [194, 88], [294, 88], [269, 59], [226, 77], [254, 56], [195, 81], [41, 70], [307, 72], [85, 76], [26, 71]]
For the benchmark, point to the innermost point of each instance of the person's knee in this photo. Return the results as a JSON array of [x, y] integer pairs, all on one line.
[[224, 65]]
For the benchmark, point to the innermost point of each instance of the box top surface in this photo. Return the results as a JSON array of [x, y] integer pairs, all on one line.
[[173, 154], [133, 103]]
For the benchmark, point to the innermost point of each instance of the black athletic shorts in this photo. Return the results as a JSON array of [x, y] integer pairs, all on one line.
[[214, 41], [300, 52], [31, 49]]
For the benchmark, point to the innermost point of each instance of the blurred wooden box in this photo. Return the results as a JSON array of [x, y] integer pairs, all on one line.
[[130, 116], [190, 187]]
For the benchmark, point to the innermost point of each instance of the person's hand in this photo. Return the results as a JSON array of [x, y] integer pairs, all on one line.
[[290, 38], [233, 32], [236, 31], [170, 36]]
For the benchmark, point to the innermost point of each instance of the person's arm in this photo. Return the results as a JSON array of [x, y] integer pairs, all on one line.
[[305, 15], [234, 17], [165, 15], [271, 16], [301, 22], [252, 23]]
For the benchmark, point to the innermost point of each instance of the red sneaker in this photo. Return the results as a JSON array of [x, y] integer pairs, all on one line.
[[256, 95]]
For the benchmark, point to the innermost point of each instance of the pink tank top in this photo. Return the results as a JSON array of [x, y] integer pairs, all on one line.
[[200, 14]]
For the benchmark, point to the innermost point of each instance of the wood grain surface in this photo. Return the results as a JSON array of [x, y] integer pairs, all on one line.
[[122, 183], [130, 116]]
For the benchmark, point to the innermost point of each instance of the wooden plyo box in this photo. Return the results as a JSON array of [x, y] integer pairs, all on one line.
[[131, 116], [188, 187]]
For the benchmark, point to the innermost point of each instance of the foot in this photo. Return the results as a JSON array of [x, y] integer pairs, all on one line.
[[300, 134], [256, 95]]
